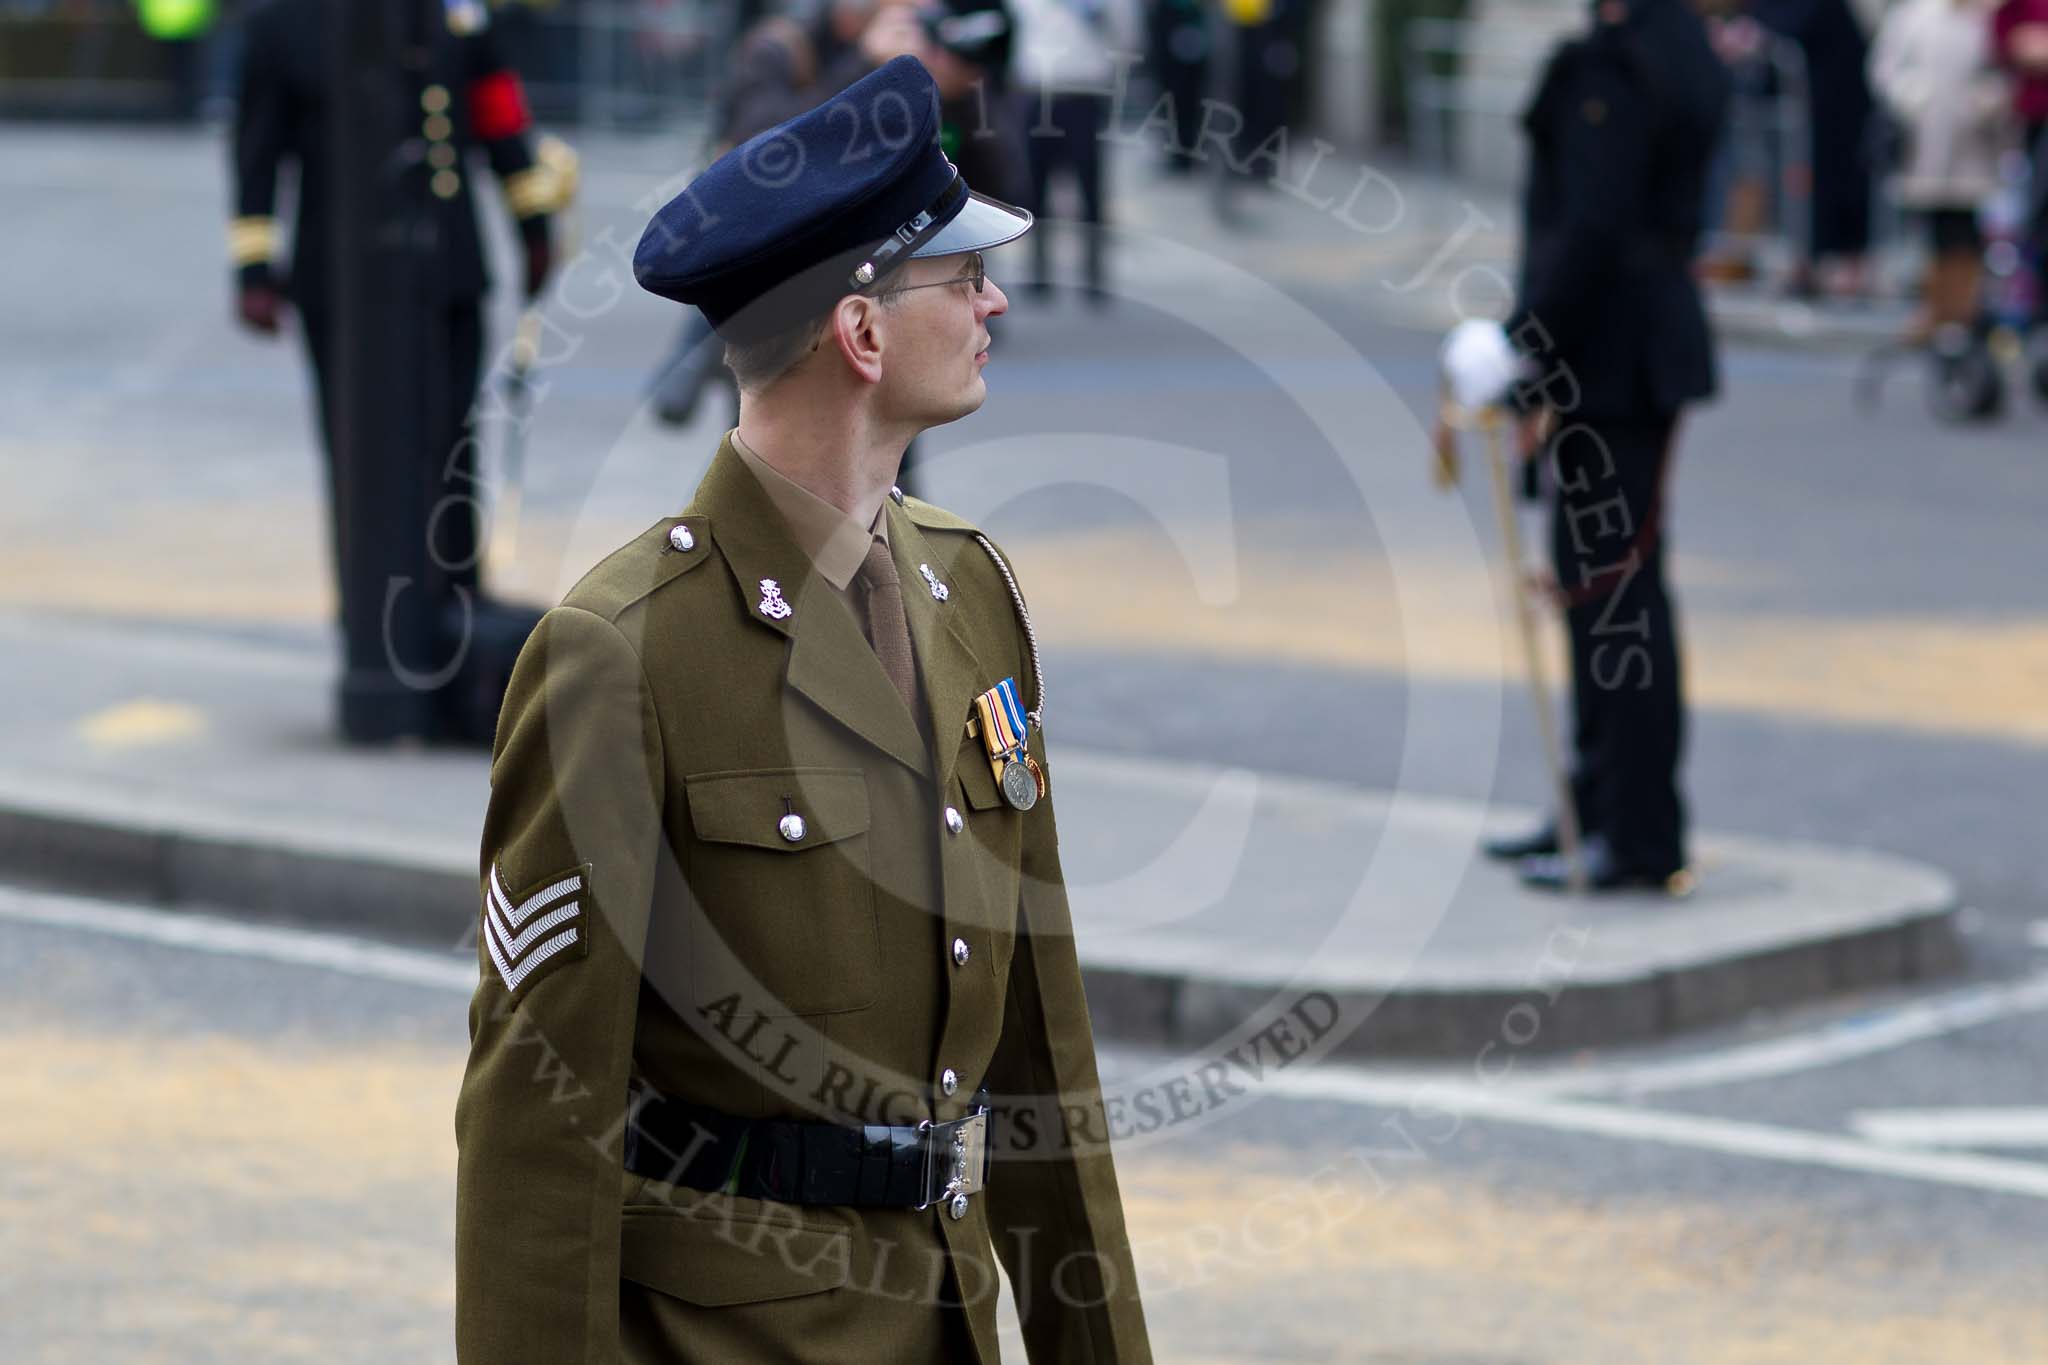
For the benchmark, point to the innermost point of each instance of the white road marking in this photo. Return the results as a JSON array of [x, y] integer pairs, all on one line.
[[1632, 1124], [334, 952], [1841, 1040], [2006, 1127], [236, 938]]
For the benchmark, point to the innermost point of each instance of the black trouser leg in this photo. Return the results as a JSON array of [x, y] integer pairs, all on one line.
[[1081, 118], [1179, 59], [1607, 542], [1066, 139], [483, 633], [453, 492], [1042, 151]]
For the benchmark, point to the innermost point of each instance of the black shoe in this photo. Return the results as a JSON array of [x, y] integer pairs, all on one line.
[[1515, 847], [1605, 871]]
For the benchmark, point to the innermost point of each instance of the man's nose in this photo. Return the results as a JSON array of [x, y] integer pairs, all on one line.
[[993, 300]]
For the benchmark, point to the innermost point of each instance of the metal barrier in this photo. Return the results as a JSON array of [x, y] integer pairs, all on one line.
[[1769, 142], [84, 57], [1463, 76], [625, 64]]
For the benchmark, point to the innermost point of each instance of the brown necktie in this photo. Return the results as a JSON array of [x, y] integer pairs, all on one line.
[[888, 630]]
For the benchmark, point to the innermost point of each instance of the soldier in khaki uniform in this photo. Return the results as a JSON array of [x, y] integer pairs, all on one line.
[[780, 1047]]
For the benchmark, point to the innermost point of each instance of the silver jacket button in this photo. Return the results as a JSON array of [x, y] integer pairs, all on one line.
[[949, 1080], [792, 827], [960, 952], [954, 824], [958, 1208], [680, 537], [896, 494]]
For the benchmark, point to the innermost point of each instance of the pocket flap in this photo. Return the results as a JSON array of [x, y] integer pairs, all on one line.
[[712, 1261], [748, 807], [977, 778]]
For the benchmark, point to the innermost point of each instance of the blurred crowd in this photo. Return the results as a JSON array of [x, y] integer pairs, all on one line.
[[1030, 85], [1934, 107], [1847, 109], [1028, 88]]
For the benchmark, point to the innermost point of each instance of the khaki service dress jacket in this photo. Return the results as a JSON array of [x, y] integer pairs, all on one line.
[[648, 923]]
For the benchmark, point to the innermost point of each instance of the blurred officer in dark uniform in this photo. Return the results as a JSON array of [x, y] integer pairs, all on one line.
[[469, 100], [968, 47], [1621, 130]]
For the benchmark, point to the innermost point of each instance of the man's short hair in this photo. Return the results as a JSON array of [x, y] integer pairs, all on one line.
[[757, 364]]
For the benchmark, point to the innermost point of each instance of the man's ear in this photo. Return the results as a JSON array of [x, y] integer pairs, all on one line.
[[856, 328]]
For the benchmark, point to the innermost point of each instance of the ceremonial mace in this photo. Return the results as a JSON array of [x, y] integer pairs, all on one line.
[[1489, 420]]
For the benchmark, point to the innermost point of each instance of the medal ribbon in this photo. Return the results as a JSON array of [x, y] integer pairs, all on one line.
[[1004, 728]]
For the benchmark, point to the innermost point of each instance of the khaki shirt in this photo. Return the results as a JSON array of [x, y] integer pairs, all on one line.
[[833, 541]]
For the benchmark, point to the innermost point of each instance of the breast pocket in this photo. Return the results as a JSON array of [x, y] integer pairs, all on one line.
[[784, 912]]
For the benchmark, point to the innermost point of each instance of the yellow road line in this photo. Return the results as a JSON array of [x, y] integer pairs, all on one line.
[[1297, 600], [146, 720]]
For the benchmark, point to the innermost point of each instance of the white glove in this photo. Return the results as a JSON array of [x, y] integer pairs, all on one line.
[[1480, 363]]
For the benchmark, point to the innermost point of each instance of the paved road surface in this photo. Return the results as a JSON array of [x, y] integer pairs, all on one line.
[[228, 1144]]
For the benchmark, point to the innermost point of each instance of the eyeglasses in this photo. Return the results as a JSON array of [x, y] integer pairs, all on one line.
[[975, 274]]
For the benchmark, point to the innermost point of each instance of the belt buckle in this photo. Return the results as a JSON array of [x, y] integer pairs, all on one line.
[[955, 1160]]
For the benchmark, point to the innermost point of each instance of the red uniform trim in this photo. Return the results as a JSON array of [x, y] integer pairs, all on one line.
[[497, 106]]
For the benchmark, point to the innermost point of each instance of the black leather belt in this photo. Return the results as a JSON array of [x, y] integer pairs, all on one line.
[[794, 1162]]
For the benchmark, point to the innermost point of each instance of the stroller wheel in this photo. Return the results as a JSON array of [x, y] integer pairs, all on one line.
[[1964, 383], [2037, 362]]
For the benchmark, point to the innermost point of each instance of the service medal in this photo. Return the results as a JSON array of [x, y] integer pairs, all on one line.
[[1005, 730], [1020, 786]]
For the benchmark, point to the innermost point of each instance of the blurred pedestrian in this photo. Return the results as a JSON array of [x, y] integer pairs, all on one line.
[[778, 68], [968, 50], [781, 68], [1070, 54], [1839, 106], [468, 103], [1178, 47], [1932, 66], [182, 30], [1266, 39], [1621, 130]]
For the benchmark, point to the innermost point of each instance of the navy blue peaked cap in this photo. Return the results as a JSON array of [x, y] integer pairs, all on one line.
[[830, 203]]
